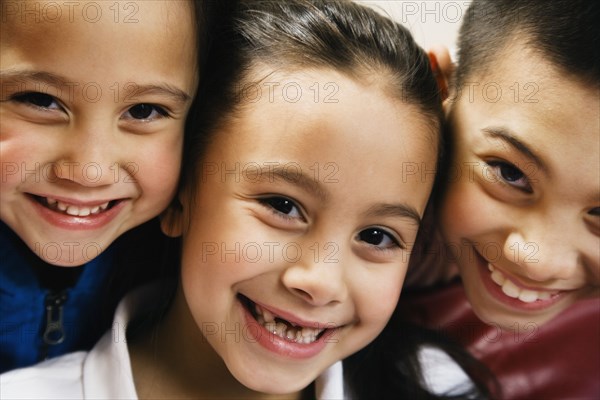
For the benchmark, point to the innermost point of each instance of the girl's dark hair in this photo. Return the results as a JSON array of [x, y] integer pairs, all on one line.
[[565, 32], [389, 367], [292, 35]]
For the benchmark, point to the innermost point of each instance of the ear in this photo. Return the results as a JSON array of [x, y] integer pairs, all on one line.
[[171, 220], [442, 67]]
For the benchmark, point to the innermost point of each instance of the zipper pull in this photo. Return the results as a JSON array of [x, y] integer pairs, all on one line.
[[55, 331]]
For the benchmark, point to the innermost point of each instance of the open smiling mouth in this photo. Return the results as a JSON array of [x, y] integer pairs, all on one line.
[[281, 327], [72, 209]]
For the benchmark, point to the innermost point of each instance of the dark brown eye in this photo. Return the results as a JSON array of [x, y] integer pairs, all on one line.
[[147, 111], [511, 175], [378, 237], [283, 207], [37, 99], [281, 204]]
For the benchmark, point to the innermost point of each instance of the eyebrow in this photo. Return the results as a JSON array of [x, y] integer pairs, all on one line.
[[49, 78], [394, 210], [309, 184], [176, 94], [507, 137], [28, 75], [296, 177]]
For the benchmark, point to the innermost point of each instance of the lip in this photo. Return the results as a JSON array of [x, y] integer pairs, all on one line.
[[75, 202], [280, 346], [71, 222], [496, 291], [522, 285]]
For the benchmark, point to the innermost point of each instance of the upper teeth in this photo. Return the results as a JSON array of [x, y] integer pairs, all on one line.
[[77, 211], [512, 290], [294, 333]]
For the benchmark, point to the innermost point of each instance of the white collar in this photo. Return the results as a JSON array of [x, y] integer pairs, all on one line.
[[330, 384], [107, 370]]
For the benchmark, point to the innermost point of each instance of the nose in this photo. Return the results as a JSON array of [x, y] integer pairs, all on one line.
[[88, 156], [543, 255], [318, 282]]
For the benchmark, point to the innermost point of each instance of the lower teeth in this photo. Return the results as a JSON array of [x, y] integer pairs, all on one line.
[[282, 329], [286, 332]]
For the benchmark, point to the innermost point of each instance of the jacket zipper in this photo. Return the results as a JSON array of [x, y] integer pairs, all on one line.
[[54, 331]]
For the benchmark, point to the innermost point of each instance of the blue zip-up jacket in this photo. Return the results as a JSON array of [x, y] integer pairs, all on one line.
[[37, 322]]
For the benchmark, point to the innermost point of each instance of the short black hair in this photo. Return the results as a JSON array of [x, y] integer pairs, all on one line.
[[564, 32]]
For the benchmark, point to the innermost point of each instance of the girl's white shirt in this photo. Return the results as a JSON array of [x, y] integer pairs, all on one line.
[[105, 371]]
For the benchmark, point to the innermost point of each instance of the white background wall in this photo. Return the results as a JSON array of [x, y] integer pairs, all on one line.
[[431, 22]]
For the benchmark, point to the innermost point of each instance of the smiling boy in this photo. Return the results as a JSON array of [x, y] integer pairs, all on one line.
[[92, 115], [520, 214]]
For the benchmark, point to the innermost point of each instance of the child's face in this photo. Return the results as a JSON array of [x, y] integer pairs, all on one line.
[[521, 215], [304, 219], [93, 107]]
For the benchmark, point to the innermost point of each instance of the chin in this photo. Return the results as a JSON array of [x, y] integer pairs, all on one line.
[[510, 321], [267, 382], [498, 320]]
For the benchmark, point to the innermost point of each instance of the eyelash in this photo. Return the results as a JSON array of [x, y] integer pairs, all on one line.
[[31, 98], [500, 169], [154, 108]]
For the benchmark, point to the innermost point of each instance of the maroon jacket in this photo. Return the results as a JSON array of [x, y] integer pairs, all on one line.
[[558, 360]]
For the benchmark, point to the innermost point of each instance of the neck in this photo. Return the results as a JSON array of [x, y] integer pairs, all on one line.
[[174, 360]]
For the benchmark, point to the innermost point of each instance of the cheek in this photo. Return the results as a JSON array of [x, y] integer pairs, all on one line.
[[463, 211], [157, 170], [11, 175], [213, 244], [199, 281], [22, 161], [376, 299], [23, 149]]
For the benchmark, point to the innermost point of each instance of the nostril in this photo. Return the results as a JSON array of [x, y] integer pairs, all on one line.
[[303, 294]]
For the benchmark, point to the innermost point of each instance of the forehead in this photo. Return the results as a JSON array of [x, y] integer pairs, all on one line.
[[324, 106], [69, 34], [322, 118], [523, 85], [34, 16]]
